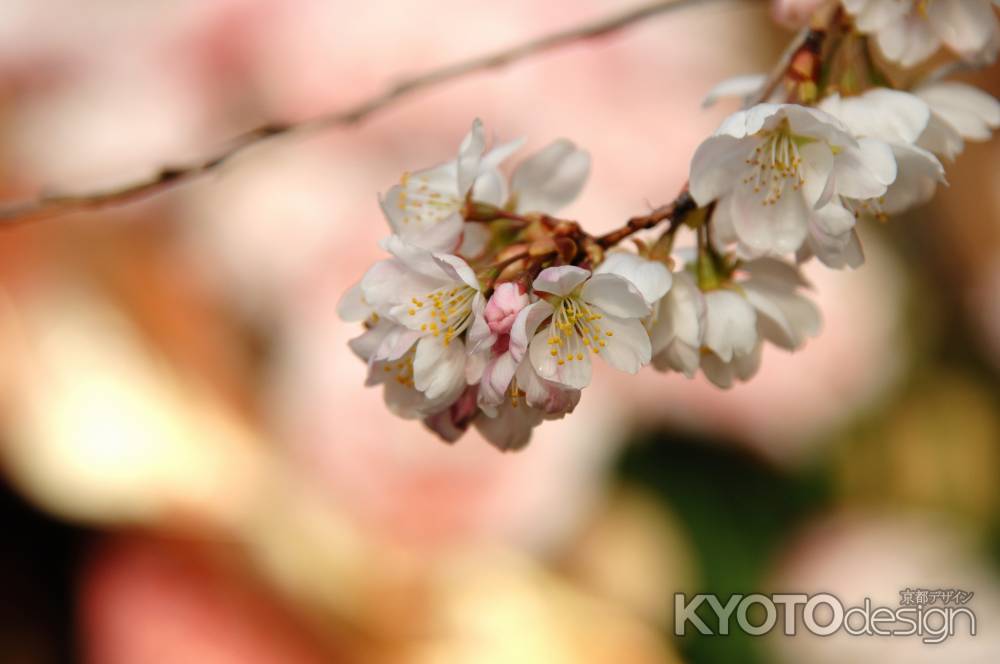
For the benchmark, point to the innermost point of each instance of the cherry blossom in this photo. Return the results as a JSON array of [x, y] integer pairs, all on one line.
[[425, 208], [596, 314], [770, 167], [910, 31], [763, 305]]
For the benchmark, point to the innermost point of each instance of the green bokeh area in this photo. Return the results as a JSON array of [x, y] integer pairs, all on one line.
[[738, 512]]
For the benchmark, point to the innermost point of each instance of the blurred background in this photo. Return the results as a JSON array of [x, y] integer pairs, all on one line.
[[193, 472]]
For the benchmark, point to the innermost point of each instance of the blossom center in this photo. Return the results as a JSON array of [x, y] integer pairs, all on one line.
[[423, 203], [775, 163], [573, 329], [401, 370], [871, 207], [444, 312]]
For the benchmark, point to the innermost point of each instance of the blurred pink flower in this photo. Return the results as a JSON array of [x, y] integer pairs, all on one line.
[[159, 603], [854, 556]]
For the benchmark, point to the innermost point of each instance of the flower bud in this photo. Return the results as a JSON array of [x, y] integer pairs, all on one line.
[[508, 299]]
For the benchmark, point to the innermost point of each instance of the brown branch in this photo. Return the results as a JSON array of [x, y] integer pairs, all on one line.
[[674, 211], [49, 206]]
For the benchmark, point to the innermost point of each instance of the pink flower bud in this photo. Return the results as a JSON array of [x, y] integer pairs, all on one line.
[[507, 300]]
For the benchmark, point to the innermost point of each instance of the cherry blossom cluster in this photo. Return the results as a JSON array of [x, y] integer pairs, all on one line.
[[490, 310]]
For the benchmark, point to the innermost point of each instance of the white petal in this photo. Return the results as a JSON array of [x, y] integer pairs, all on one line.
[[615, 295], [680, 317], [965, 26], [479, 336], [511, 429], [678, 356], [396, 343], [560, 280], [368, 342], [723, 233], [475, 365], [817, 169], [388, 281], [860, 172], [456, 269], [908, 41], [816, 123], [738, 86], [416, 260], [439, 367], [718, 371], [652, 278], [748, 122], [501, 153], [574, 374], [972, 112], [730, 324], [626, 343], [777, 274], [833, 219], [525, 325], [490, 187], [746, 366], [835, 252], [742, 367], [550, 179], [784, 318], [470, 154], [443, 236], [475, 239], [879, 160], [717, 167], [352, 306], [920, 172], [888, 115], [941, 138], [496, 379], [553, 400], [770, 229], [407, 403], [872, 15]]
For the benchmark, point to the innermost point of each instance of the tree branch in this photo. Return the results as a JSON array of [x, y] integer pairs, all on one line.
[[49, 206], [673, 211]]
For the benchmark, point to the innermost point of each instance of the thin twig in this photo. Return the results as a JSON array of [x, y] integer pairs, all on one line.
[[675, 211], [48, 206]]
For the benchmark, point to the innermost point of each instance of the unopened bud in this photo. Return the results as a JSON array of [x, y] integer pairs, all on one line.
[[567, 249], [542, 247]]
